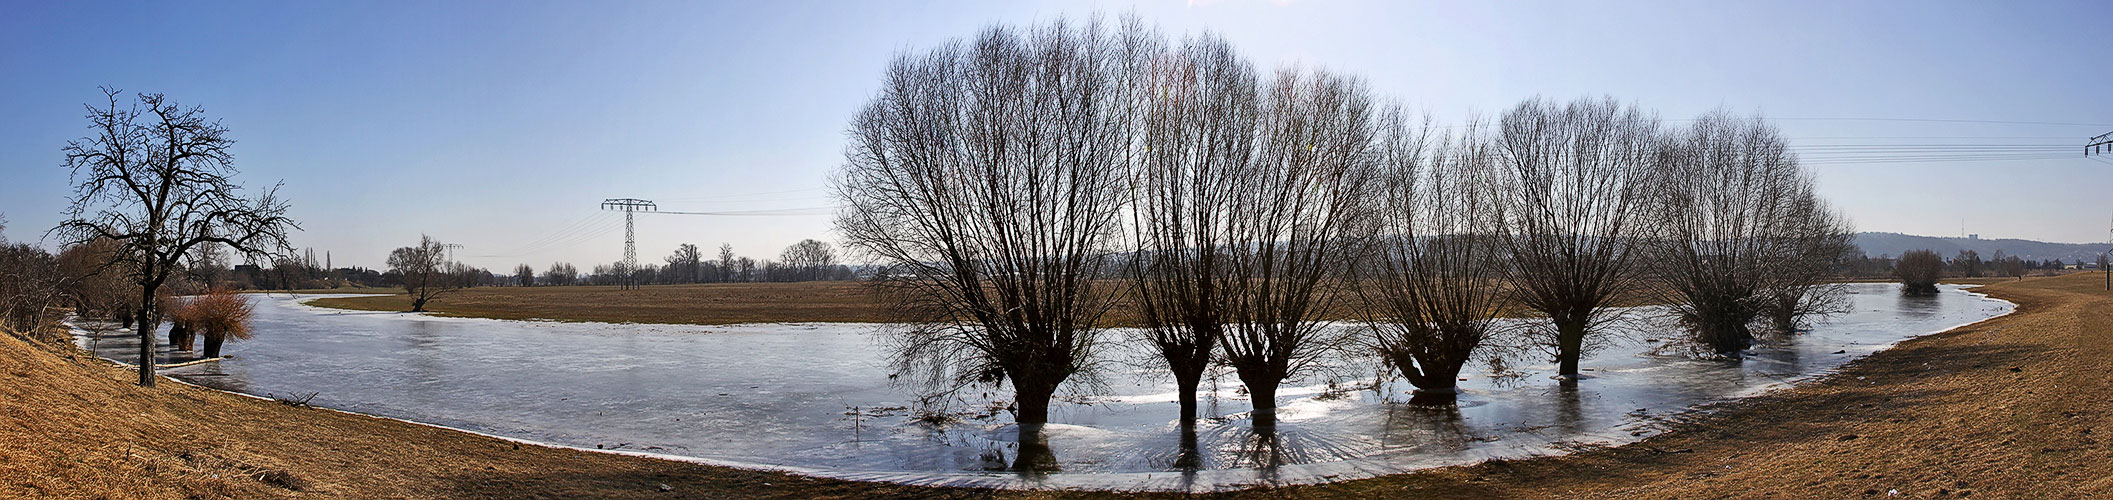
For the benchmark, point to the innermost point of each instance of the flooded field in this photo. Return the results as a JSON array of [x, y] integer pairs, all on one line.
[[814, 397]]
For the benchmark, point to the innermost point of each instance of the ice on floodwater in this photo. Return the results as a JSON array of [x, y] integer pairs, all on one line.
[[815, 398]]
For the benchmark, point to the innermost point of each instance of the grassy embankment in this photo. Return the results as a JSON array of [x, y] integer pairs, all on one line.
[[2009, 408]]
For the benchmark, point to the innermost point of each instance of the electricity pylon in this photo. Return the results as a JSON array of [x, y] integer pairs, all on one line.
[[2102, 144], [629, 206]]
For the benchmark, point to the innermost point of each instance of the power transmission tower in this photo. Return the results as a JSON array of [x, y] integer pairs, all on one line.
[[2099, 145], [451, 250], [629, 206]]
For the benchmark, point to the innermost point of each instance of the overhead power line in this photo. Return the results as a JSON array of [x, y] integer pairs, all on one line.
[[2100, 144]]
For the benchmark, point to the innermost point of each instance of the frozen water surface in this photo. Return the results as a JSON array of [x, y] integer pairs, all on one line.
[[814, 397]]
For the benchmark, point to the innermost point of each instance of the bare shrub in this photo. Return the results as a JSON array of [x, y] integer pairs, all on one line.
[[31, 289], [1919, 271], [97, 279], [218, 316], [182, 336]]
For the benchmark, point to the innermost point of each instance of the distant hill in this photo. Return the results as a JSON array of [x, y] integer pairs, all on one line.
[[1893, 244]]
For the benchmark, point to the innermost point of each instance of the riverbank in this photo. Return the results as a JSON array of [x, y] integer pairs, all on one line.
[[2007, 408]]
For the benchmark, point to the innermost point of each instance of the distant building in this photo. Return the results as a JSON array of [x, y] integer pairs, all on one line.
[[1974, 237]]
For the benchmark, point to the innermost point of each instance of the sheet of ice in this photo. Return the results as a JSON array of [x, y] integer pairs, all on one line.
[[814, 397]]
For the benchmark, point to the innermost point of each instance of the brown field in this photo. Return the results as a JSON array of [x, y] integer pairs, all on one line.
[[349, 289], [2013, 407], [707, 304]]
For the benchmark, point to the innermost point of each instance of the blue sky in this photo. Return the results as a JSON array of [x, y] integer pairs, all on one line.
[[501, 125]]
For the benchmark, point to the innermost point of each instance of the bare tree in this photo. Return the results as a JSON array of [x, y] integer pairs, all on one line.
[[1918, 271], [96, 280], [987, 175], [31, 287], [158, 178], [1736, 219], [1197, 136], [1969, 263], [1569, 189], [426, 271], [524, 275], [1805, 286], [1434, 289], [561, 274], [2014, 267], [727, 264], [809, 259], [686, 263], [1298, 224]]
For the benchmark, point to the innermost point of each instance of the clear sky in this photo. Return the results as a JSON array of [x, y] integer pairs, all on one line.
[[502, 125]]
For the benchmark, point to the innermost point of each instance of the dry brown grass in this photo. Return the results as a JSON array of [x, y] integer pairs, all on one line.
[[73, 427], [2009, 408], [706, 304]]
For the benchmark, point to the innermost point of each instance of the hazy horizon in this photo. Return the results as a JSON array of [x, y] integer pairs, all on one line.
[[502, 126]]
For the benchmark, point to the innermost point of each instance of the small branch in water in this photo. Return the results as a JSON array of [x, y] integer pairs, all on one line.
[[296, 400]]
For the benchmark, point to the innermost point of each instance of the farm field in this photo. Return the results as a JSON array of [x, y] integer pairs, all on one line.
[[704, 304]]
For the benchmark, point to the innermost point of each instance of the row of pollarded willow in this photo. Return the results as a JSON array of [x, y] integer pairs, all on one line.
[[996, 178]]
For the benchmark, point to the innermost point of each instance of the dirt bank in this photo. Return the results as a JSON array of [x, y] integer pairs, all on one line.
[[2010, 408]]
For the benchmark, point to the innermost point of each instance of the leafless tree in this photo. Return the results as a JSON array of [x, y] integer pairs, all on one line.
[[31, 287], [524, 275], [2014, 267], [561, 274], [687, 263], [1298, 224], [1569, 189], [158, 178], [1918, 271], [1806, 285], [1969, 263], [727, 266], [426, 271], [1196, 137], [809, 259], [987, 176], [98, 284], [1434, 286], [1735, 222]]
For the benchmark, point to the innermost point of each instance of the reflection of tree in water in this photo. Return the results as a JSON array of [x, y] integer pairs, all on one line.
[[1034, 460], [1913, 306], [211, 375], [1569, 409], [1426, 429], [1267, 442]]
